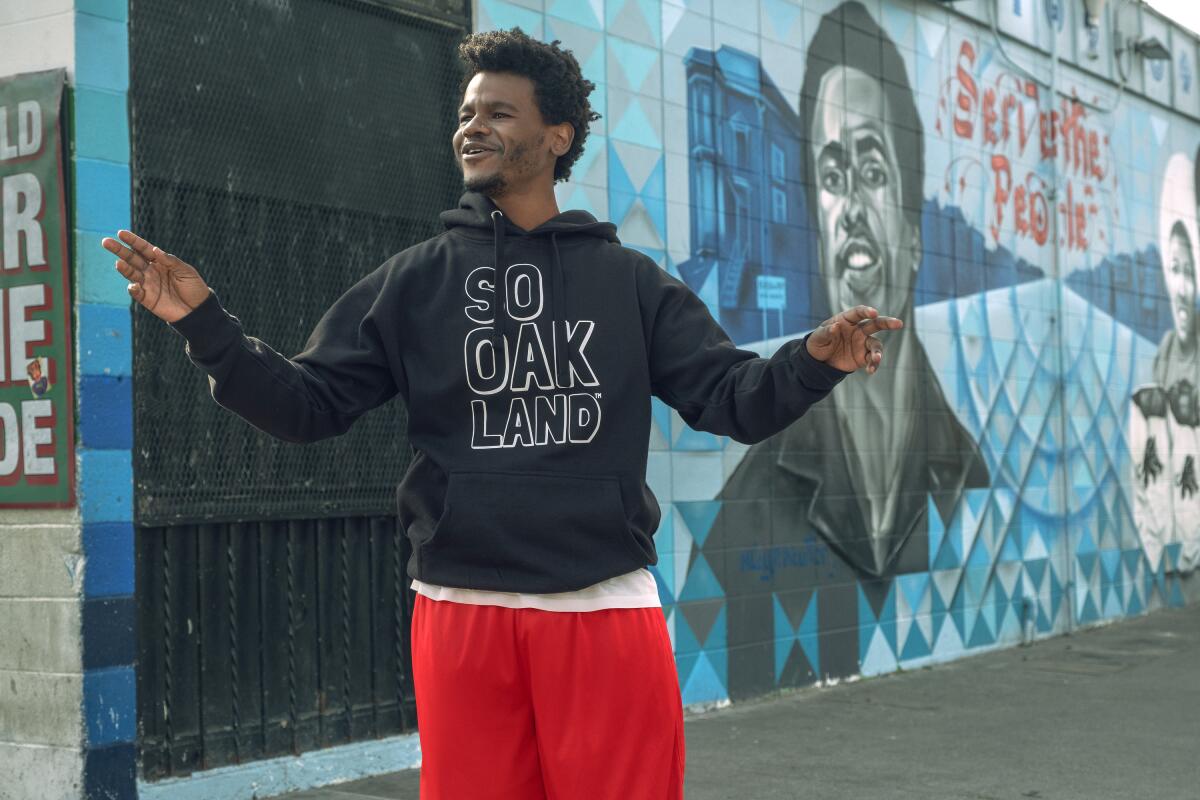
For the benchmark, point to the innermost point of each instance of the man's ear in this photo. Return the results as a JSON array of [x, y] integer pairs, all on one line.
[[561, 137], [916, 247]]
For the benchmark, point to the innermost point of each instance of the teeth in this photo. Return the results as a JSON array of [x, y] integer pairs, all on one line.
[[859, 260]]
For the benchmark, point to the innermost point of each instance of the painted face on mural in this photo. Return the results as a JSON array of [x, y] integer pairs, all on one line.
[[500, 143], [1180, 274], [868, 246]]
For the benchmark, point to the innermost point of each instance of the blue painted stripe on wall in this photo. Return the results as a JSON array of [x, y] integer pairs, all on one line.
[[108, 548], [106, 134], [105, 340], [109, 9], [109, 705], [110, 773], [105, 412], [106, 485], [101, 53], [288, 773], [109, 638], [96, 279], [102, 194], [103, 201]]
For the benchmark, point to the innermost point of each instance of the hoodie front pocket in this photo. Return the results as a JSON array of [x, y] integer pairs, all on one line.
[[522, 532]]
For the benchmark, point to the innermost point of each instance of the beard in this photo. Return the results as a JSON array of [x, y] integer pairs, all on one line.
[[492, 185], [520, 161]]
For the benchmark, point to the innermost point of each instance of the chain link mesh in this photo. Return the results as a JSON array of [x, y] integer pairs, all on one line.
[[285, 148]]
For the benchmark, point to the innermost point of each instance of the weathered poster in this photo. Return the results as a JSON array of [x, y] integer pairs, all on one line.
[[36, 416]]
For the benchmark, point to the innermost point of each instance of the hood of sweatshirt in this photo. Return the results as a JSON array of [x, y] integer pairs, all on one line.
[[477, 212]]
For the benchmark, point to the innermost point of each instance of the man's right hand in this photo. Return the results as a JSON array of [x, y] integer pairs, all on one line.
[[167, 287]]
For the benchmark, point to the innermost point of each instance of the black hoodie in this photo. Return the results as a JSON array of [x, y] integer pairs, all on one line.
[[530, 435]]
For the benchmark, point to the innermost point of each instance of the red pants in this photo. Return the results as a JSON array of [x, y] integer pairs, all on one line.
[[522, 704]]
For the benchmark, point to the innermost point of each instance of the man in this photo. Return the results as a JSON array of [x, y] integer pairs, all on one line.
[[859, 470], [526, 344], [1178, 357], [1164, 417]]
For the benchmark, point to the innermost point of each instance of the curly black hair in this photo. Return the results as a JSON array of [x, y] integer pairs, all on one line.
[[559, 87]]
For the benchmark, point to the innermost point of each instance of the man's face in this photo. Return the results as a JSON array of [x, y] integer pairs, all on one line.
[[35, 370], [1180, 274], [868, 247], [500, 143]]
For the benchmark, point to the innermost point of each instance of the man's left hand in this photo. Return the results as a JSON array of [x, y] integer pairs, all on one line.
[[846, 341]]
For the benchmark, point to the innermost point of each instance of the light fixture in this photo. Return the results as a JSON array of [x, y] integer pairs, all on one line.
[[1093, 16], [1151, 49], [1093, 13]]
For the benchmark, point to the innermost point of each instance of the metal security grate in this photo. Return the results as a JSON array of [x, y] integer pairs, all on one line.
[[285, 148], [267, 638]]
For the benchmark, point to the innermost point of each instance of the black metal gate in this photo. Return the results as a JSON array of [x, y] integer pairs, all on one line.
[[285, 148], [258, 639]]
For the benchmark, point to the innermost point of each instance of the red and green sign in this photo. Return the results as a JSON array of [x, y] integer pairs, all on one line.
[[36, 417]]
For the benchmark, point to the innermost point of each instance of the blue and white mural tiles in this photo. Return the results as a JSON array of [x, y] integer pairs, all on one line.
[[1026, 462]]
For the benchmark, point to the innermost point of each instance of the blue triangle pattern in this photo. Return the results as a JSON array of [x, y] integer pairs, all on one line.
[[701, 583], [652, 18], [938, 614], [782, 15], [507, 15], [784, 637], [576, 11], [635, 126], [887, 618], [699, 516], [867, 623], [685, 640], [1056, 595], [635, 61], [809, 641], [913, 587], [1110, 561], [704, 685], [981, 636], [690, 439], [718, 634], [664, 579], [937, 530], [915, 646]]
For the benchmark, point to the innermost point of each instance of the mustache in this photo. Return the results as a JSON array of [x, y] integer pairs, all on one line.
[[857, 236]]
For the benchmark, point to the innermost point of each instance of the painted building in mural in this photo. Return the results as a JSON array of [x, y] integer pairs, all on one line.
[[1026, 463]]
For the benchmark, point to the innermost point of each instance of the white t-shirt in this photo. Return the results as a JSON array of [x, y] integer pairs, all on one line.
[[636, 589]]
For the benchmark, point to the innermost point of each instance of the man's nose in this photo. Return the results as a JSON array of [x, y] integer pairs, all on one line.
[[853, 213], [474, 125]]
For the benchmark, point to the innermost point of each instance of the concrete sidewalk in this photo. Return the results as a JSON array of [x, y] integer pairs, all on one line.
[[1111, 712]]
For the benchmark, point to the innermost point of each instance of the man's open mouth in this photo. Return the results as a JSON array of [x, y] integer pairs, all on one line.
[[476, 152], [858, 254]]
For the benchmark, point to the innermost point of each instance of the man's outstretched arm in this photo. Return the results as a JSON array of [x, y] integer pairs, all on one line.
[[719, 388], [342, 373]]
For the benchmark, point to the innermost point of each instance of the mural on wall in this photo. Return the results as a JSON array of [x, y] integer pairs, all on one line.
[[822, 543], [992, 483], [1164, 418]]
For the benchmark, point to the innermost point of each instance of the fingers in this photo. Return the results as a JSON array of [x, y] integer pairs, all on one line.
[[857, 314], [129, 272], [872, 326], [129, 254], [138, 244], [874, 354]]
